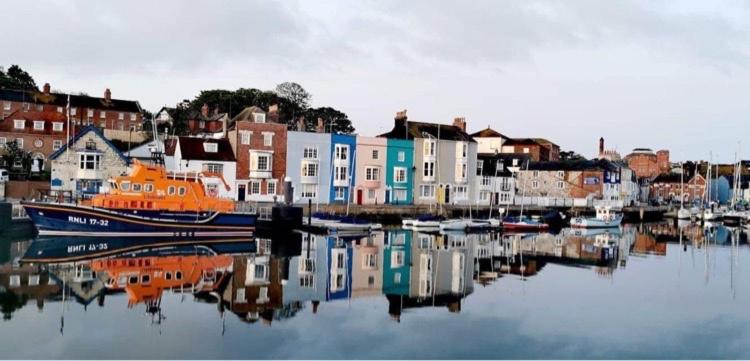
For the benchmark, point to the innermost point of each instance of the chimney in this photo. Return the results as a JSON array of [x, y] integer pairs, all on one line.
[[601, 146], [224, 121], [216, 111], [273, 113], [460, 122], [301, 124], [46, 88], [204, 110], [107, 94], [400, 122], [321, 127]]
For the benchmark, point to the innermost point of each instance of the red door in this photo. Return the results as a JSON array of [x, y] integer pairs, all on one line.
[[359, 196]]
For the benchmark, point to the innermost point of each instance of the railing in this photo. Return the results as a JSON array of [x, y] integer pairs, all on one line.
[[18, 212]]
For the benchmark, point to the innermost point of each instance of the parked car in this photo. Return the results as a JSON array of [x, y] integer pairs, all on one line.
[[4, 176]]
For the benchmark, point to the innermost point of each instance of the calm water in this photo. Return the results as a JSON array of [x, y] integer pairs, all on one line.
[[649, 291]]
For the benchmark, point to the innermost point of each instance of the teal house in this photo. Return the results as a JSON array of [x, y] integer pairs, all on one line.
[[398, 171], [397, 262]]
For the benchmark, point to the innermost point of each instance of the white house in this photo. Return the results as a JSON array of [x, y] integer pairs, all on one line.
[[207, 155]]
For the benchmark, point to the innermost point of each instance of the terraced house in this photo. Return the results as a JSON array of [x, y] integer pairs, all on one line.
[[308, 165], [445, 157], [371, 160]]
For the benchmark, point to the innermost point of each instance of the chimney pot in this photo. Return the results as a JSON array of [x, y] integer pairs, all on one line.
[[204, 110], [107, 94], [601, 145], [460, 122], [321, 128], [46, 88], [301, 124]]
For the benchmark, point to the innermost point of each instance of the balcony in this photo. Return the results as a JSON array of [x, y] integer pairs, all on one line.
[[257, 173], [341, 183]]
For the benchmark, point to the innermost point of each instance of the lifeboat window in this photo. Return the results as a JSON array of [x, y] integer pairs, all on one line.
[[133, 280], [131, 263], [181, 191], [121, 281], [148, 187], [148, 262], [133, 204], [113, 185], [136, 187], [171, 190], [125, 186], [149, 205], [145, 279], [178, 275], [168, 276]]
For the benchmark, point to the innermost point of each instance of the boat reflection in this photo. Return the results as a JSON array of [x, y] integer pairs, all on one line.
[[271, 280]]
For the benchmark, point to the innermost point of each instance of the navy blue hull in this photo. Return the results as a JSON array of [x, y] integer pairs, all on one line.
[[70, 220]]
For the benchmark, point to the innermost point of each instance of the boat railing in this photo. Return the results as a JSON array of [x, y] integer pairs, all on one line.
[[18, 212]]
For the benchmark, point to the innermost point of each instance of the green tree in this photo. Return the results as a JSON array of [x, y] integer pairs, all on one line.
[[13, 154], [570, 156], [334, 120], [295, 93], [17, 78]]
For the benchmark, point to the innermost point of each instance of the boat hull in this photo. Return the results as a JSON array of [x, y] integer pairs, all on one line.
[[74, 220], [580, 222], [524, 226]]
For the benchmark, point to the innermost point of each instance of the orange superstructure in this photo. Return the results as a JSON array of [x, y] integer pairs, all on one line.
[[145, 278], [151, 187]]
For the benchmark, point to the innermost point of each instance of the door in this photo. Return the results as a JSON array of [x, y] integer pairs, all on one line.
[[387, 196], [359, 196], [241, 193], [447, 194]]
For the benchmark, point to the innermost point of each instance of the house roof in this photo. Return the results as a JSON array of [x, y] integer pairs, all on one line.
[[84, 131], [419, 129], [61, 99], [489, 165], [489, 133], [669, 178], [575, 165], [247, 114], [192, 149]]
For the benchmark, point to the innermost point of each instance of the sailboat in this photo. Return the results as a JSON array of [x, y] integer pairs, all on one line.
[[520, 223], [710, 213], [682, 213], [735, 216]]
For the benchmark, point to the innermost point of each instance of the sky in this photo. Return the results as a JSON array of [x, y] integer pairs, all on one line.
[[657, 74]]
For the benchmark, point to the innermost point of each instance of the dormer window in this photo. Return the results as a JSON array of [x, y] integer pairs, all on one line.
[[259, 117], [39, 125], [211, 147], [19, 123]]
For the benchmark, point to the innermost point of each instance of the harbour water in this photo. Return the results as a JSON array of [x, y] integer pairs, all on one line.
[[644, 291]]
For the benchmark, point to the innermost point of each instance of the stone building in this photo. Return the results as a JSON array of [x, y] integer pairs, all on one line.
[[494, 183], [259, 143], [82, 166]]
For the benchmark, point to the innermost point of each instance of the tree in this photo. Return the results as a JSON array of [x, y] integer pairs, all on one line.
[[335, 121], [571, 156], [294, 93], [12, 154], [17, 78]]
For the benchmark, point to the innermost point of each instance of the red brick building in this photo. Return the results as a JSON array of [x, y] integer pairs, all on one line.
[[259, 142], [667, 187], [38, 122], [539, 149], [205, 122], [647, 164]]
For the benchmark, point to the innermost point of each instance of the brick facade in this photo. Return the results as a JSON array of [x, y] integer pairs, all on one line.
[[647, 164]]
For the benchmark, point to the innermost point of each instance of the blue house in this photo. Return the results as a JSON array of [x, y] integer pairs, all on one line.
[[339, 269], [343, 153]]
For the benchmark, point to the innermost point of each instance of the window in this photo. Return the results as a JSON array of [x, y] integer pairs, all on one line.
[[125, 186], [309, 169], [370, 261], [480, 166], [271, 187], [401, 156], [148, 187], [309, 190], [260, 272], [3, 141], [171, 190], [535, 184], [536, 174], [19, 142], [462, 150], [264, 162], [560, 174], [375, 154], [39, 108], [215, 168], [121, 116], [427, 191], [245, 137], [397, 278], [178, 275], [486, 181], [91, 162], [370, 194], [39, 125], [372, 174], [90, 113], [137, 187], [255, 187], [429, 148], [340, 193], [57, 126], [340, 173], [484, 196], [310, 153], [73, 111], [181, 191], [259, 117], [526, 149], [341, 152], [267, 139], [6, 105], [211, 147], [560, 184], [19, 123], [399, 174], [461, 172], [397, 259], [429, 170], [399, 195], [133, 117], [102, 114], [460, 192], [307, 281]]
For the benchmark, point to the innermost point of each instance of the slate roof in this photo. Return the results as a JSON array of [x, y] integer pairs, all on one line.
[[528, 141], [61, 99], [418, 129], [192, 149], [84, 131], [247, 114], [576, 165], [489, 163]]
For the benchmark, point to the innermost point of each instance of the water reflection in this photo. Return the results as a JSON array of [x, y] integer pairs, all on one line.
[[266, 281]]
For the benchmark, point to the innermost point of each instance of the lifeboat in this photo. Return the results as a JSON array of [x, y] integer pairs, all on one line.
[[148, 202]]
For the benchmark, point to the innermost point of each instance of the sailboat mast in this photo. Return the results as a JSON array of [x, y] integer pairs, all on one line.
[[682, 184], [523, 192]]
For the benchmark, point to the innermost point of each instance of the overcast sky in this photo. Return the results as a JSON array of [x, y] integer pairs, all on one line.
[[655, 74]]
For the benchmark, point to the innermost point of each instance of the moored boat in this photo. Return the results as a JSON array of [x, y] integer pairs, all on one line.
[[523, 224], [605, 218], [147, 202]]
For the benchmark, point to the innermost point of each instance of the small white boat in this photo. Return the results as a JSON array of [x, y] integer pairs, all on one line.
[[683, 213], [709, 215], [463, 224], [605, 218], [408, 222]]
